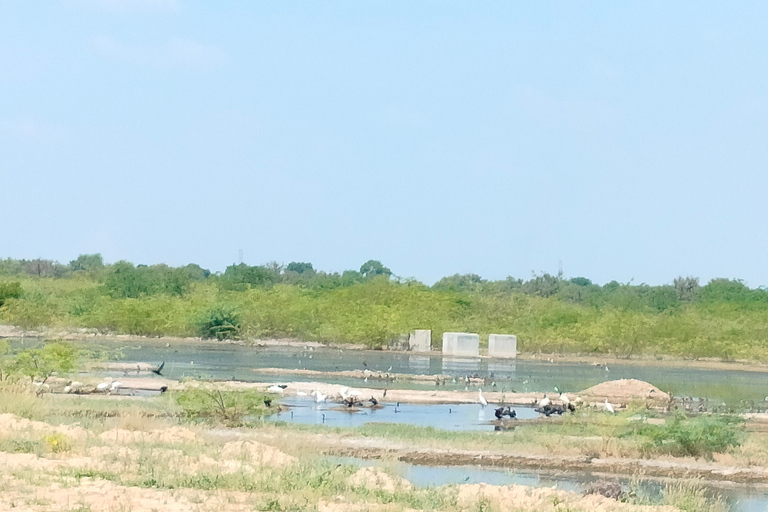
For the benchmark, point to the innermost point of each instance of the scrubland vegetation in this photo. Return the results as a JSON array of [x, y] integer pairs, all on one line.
[[549, 313]]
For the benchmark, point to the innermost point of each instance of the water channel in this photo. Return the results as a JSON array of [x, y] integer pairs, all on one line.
[[740, 498]]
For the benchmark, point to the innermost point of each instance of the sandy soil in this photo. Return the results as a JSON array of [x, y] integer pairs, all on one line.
[[40, 483]]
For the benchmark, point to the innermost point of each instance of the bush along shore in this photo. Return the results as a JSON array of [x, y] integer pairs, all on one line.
[[549, 313]]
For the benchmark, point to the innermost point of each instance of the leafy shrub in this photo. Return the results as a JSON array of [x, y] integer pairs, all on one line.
[[56, 356], [699, 436], [9, 290], [221, 323], [225, 405]]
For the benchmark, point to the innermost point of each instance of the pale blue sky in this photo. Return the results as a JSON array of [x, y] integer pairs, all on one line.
[[627, 139]]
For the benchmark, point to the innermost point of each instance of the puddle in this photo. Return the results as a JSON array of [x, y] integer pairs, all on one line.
[[739, 498], [446, 417]]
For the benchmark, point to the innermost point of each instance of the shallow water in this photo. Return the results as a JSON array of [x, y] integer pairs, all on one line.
[[228, 361], [445, 417], [739, 498]]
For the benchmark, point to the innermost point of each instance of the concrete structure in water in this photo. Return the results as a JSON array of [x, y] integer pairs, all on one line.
[[461, 344], [420, 340], [502, 345]]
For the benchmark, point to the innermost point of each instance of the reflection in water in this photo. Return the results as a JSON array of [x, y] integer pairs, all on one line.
[[461, 366]]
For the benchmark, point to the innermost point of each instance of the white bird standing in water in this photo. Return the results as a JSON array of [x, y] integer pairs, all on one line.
[[320, 397], [608, 406], [481, 399]]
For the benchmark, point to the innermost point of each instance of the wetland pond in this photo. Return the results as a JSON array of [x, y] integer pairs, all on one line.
[[231, 361], [223, 361]]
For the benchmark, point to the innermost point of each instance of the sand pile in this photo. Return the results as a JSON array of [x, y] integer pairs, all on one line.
[[11, 424], [256, 453], [375, 478], [625, 390], [543, 499], [166, 435]]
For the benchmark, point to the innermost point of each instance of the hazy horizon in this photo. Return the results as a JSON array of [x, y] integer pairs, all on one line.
[[625, 140]]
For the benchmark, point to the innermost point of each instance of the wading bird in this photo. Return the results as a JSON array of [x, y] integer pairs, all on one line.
[[481, 399]]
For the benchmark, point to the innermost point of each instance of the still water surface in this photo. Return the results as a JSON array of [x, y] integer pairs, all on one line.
[[225, 361]]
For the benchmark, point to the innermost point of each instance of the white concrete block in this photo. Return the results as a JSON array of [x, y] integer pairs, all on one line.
[[461, 344], [420, 340], [502, 345]]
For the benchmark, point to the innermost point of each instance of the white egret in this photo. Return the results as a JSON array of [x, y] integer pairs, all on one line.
[[480, 398], [102, 386], [115, 386], [320, 397], [564, 398], [545, 401], [301, 393], [608, 406]]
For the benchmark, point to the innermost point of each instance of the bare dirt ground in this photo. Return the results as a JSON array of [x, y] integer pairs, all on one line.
[[178, 468]]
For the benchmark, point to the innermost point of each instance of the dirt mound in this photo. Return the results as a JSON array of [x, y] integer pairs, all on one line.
[[104, 496], [256, 453], [166, 435], [625, 390], [375, 478], [543, 499], [12, 423]]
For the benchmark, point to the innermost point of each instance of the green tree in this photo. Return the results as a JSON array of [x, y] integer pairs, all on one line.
[[373, 268], [459, 283], [687, 288], [246, 274], [40, 363], [9, 290], [300, 267], [125, 281], [87, 262]]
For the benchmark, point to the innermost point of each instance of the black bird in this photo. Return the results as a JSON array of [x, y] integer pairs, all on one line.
[[159, 369], [282, 386], [268, 402], [374, 401], [385, 393], [499, 413]]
